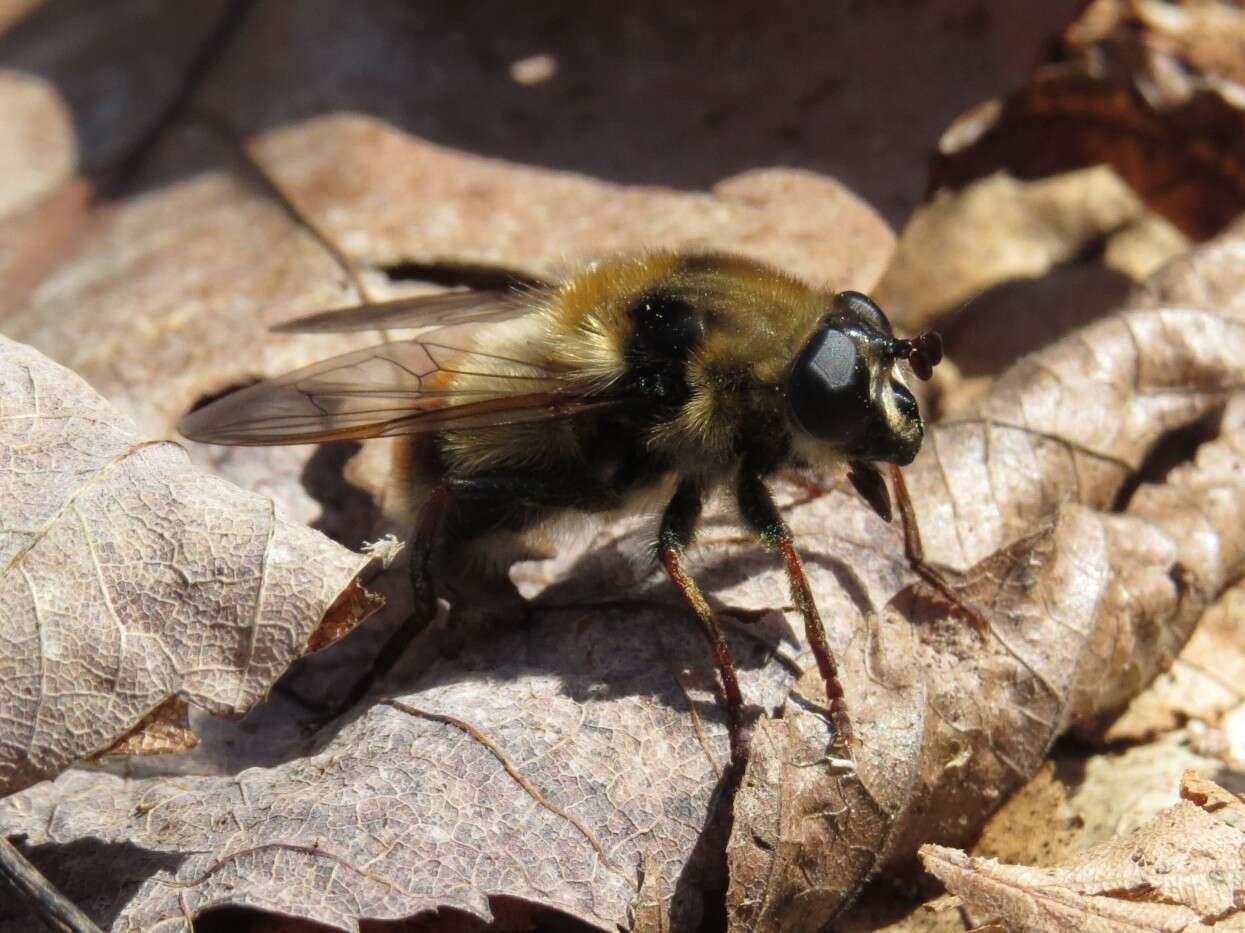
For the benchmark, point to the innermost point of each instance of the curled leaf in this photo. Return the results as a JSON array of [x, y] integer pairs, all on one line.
[[1089, 596], [129, 581], [1151, 89], [1181, 872]]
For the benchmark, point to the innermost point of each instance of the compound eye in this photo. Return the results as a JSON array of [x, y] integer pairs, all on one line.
[[858, 307], [829, 386]]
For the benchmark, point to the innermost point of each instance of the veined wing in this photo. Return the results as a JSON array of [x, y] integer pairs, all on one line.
[[401, 387], [422, 311]]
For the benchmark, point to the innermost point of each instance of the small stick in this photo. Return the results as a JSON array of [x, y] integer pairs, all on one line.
[[52, 907]]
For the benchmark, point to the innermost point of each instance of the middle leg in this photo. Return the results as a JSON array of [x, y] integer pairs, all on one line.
[[757, 507]]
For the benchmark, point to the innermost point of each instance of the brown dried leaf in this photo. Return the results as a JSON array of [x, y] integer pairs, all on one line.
[[1083, 798], [1203, 685], [1004, 267], [575, 765], [1151, 89], [641, 94], [38, 156], [548, 764], [165, 730], [130, 581], [1193, 39], [1086, 606], [1153, 879]]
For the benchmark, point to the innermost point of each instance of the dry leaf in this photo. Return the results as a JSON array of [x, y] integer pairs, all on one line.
[[655, 93], [1004, 267], [1153, 879], [1188, 41], [129, 579], [573, 767], [1085, 797], [1203, 685], [1086, 605], [1149, 88], [36, 156], [999, 231], [497, 758]]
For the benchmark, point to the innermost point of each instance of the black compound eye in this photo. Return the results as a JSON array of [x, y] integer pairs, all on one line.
[[829, 386], [834, 360], [860, 308]]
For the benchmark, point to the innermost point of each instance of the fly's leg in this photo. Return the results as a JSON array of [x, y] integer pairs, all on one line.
[[678, 525], [428, 534], [914, 551], [757, 507]]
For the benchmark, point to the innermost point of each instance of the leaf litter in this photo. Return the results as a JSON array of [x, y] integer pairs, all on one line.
[[1180, 872], [479, 783], [485, 778], [134, 585]]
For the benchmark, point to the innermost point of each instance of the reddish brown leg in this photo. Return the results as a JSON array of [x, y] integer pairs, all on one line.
[[759, 511], [915, 552], [678, 524], [802, 596]]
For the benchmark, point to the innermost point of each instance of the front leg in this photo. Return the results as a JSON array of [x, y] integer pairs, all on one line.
[[914, 551], [678, 525], [757, 507]]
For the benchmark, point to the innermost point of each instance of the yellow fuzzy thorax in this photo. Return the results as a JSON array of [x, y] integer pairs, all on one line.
[[760, 317]]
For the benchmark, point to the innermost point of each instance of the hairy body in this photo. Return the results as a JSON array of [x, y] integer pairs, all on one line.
[[667, 373]]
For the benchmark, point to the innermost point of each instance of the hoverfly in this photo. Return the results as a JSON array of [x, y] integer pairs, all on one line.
[[682, 372]]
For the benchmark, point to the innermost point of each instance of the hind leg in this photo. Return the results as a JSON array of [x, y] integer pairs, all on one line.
[[757, 508], [475, 579], [427, 540]]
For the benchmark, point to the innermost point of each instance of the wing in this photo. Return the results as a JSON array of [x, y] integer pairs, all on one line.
[[401, 387], [443, 310]]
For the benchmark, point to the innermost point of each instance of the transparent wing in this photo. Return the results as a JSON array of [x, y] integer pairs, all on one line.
[[401, 387], [443, 310]]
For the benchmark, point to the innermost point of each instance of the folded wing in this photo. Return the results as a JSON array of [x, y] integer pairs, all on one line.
[[400, 387], [421, 311]]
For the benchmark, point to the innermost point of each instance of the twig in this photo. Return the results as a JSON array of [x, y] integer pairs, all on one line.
[[204, 59], [53, 908], [267, 182]]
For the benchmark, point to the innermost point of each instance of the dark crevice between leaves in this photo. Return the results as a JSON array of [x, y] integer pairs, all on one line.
[[889, 899], [250, 920], [449, 274], [510, 915], [705, 875], [1173, 449]]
